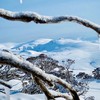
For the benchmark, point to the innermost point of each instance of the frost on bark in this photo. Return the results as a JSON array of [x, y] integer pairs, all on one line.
[[35, 17], [9, 58]]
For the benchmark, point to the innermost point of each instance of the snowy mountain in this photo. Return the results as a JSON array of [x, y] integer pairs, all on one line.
[[48, 45], [85, 53]]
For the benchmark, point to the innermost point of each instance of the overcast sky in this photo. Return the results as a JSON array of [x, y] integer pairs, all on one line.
[[11, 31]]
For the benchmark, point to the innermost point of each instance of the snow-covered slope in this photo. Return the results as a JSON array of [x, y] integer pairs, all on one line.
[[48, 45], [85, 53], [31, 44], [7, 45]]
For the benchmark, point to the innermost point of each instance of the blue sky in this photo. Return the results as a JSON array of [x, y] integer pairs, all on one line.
[[20, 32]]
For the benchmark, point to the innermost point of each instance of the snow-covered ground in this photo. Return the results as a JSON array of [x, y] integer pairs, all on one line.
[[94, 89], [85, 53], [21, 96]]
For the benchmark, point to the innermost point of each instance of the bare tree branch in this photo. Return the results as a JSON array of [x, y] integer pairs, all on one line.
[[32, 16], [44, 89], [51, 95], [48, 93], [5, 83], [18, 62]]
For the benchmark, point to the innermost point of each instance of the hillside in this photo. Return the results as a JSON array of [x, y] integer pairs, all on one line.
[[85, 53]]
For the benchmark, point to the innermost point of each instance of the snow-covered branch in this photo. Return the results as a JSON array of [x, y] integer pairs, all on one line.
[[51, 94], [5, 84], [33, 16], [9, 58]]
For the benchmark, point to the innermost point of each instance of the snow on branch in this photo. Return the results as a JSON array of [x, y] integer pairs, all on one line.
[[51, 94], [5, 83], [33, 16], [9, 58]]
